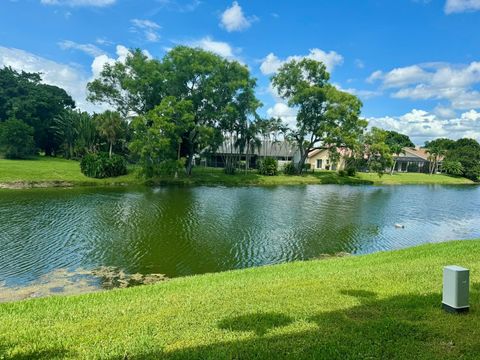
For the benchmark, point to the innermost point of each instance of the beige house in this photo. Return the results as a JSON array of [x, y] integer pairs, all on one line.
[[320, 160]]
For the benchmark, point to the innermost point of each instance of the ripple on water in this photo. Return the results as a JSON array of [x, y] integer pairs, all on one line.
[[183, 231]]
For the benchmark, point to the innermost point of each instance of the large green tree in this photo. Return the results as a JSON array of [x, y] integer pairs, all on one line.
[[437, 149], [467, 153], [16, 139], [212, 85], [377, 152], [23, 96], [327, 117], [134, 86]]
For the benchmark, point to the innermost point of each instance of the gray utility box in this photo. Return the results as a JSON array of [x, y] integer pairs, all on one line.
[[455, 288]]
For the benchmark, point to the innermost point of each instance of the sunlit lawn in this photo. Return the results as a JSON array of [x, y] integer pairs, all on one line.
[[51, 170], [380, 306]]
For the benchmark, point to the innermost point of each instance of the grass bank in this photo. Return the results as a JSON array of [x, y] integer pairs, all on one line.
[[379, 306], [49, 172]]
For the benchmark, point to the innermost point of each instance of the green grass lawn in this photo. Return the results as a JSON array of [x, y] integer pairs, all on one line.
[[50, 170], [60, 172], [413, 178], [379, 306]]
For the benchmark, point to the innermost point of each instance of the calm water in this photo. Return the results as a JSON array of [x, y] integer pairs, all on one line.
[[183, 231]]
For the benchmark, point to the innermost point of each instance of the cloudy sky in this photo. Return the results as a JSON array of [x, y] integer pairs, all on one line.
[[414, 63]]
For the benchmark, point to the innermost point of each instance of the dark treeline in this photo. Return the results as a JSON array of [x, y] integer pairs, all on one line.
[[165, 112]]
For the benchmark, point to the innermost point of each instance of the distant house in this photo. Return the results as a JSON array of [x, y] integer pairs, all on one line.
[[320, 159], [415, 160], [412, 160], [284, 152]]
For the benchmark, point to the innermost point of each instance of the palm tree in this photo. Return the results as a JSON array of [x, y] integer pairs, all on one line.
[[396, 150], [110, 126], [65, 127]]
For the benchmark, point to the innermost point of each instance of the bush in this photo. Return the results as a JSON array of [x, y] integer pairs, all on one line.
[[16, 139], [307, 166], [342, 173], [102, 166], [268, 166], [289, 169], [351, 171]]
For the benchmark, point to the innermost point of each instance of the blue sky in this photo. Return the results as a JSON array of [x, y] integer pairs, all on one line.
[[414, 63]]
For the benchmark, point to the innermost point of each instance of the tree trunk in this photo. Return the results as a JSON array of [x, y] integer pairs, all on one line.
[[110, 151], [393, 167], [301, 162], [189, 166]]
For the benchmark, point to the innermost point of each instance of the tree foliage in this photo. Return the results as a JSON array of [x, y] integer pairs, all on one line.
[[467, 153], [326, 116], [216, 90], [23, 96], [16, 139], [377, 152]]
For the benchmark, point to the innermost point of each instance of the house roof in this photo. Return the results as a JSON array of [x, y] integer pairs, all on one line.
[[418, 152], [268, 147]]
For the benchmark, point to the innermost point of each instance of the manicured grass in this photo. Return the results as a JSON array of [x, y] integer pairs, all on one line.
[[45, 172], [52, 171], [380, 306], [413, 178]]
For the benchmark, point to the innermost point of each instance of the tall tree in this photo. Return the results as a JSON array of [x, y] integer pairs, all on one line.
[[326, 116], [135, 85], [377, 152], [437, 149], [23, 96], [215, 87], [467, 153]]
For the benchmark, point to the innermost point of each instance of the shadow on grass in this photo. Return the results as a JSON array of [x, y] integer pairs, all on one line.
[[38, 354], [400, 327]]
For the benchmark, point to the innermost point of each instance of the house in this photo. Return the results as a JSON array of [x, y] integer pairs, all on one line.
[[415, 160], [320, 159], [284, 152]]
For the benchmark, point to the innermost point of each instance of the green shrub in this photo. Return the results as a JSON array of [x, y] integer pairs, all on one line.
[[102, 166], [16, 139], [289, 169], [342, 173], [268, 166], [351, 171], [307, 166]]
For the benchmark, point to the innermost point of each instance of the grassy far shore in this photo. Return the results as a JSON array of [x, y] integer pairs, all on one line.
[[379, 306], [46, 172]]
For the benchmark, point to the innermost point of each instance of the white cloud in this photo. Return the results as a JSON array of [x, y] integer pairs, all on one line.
[[75, 3], [459, 6], [148, 28], [284, 112], [100, 61], [437, 81], [174, 5], [233, 18], [271, 63], [218, 47], [359, 63], [71, 78], [421, 125], [89, 49]]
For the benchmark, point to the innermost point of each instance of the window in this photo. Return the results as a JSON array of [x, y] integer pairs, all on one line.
[[319, 163]]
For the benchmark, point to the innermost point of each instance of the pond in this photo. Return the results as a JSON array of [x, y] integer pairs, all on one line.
[[180, 231]]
